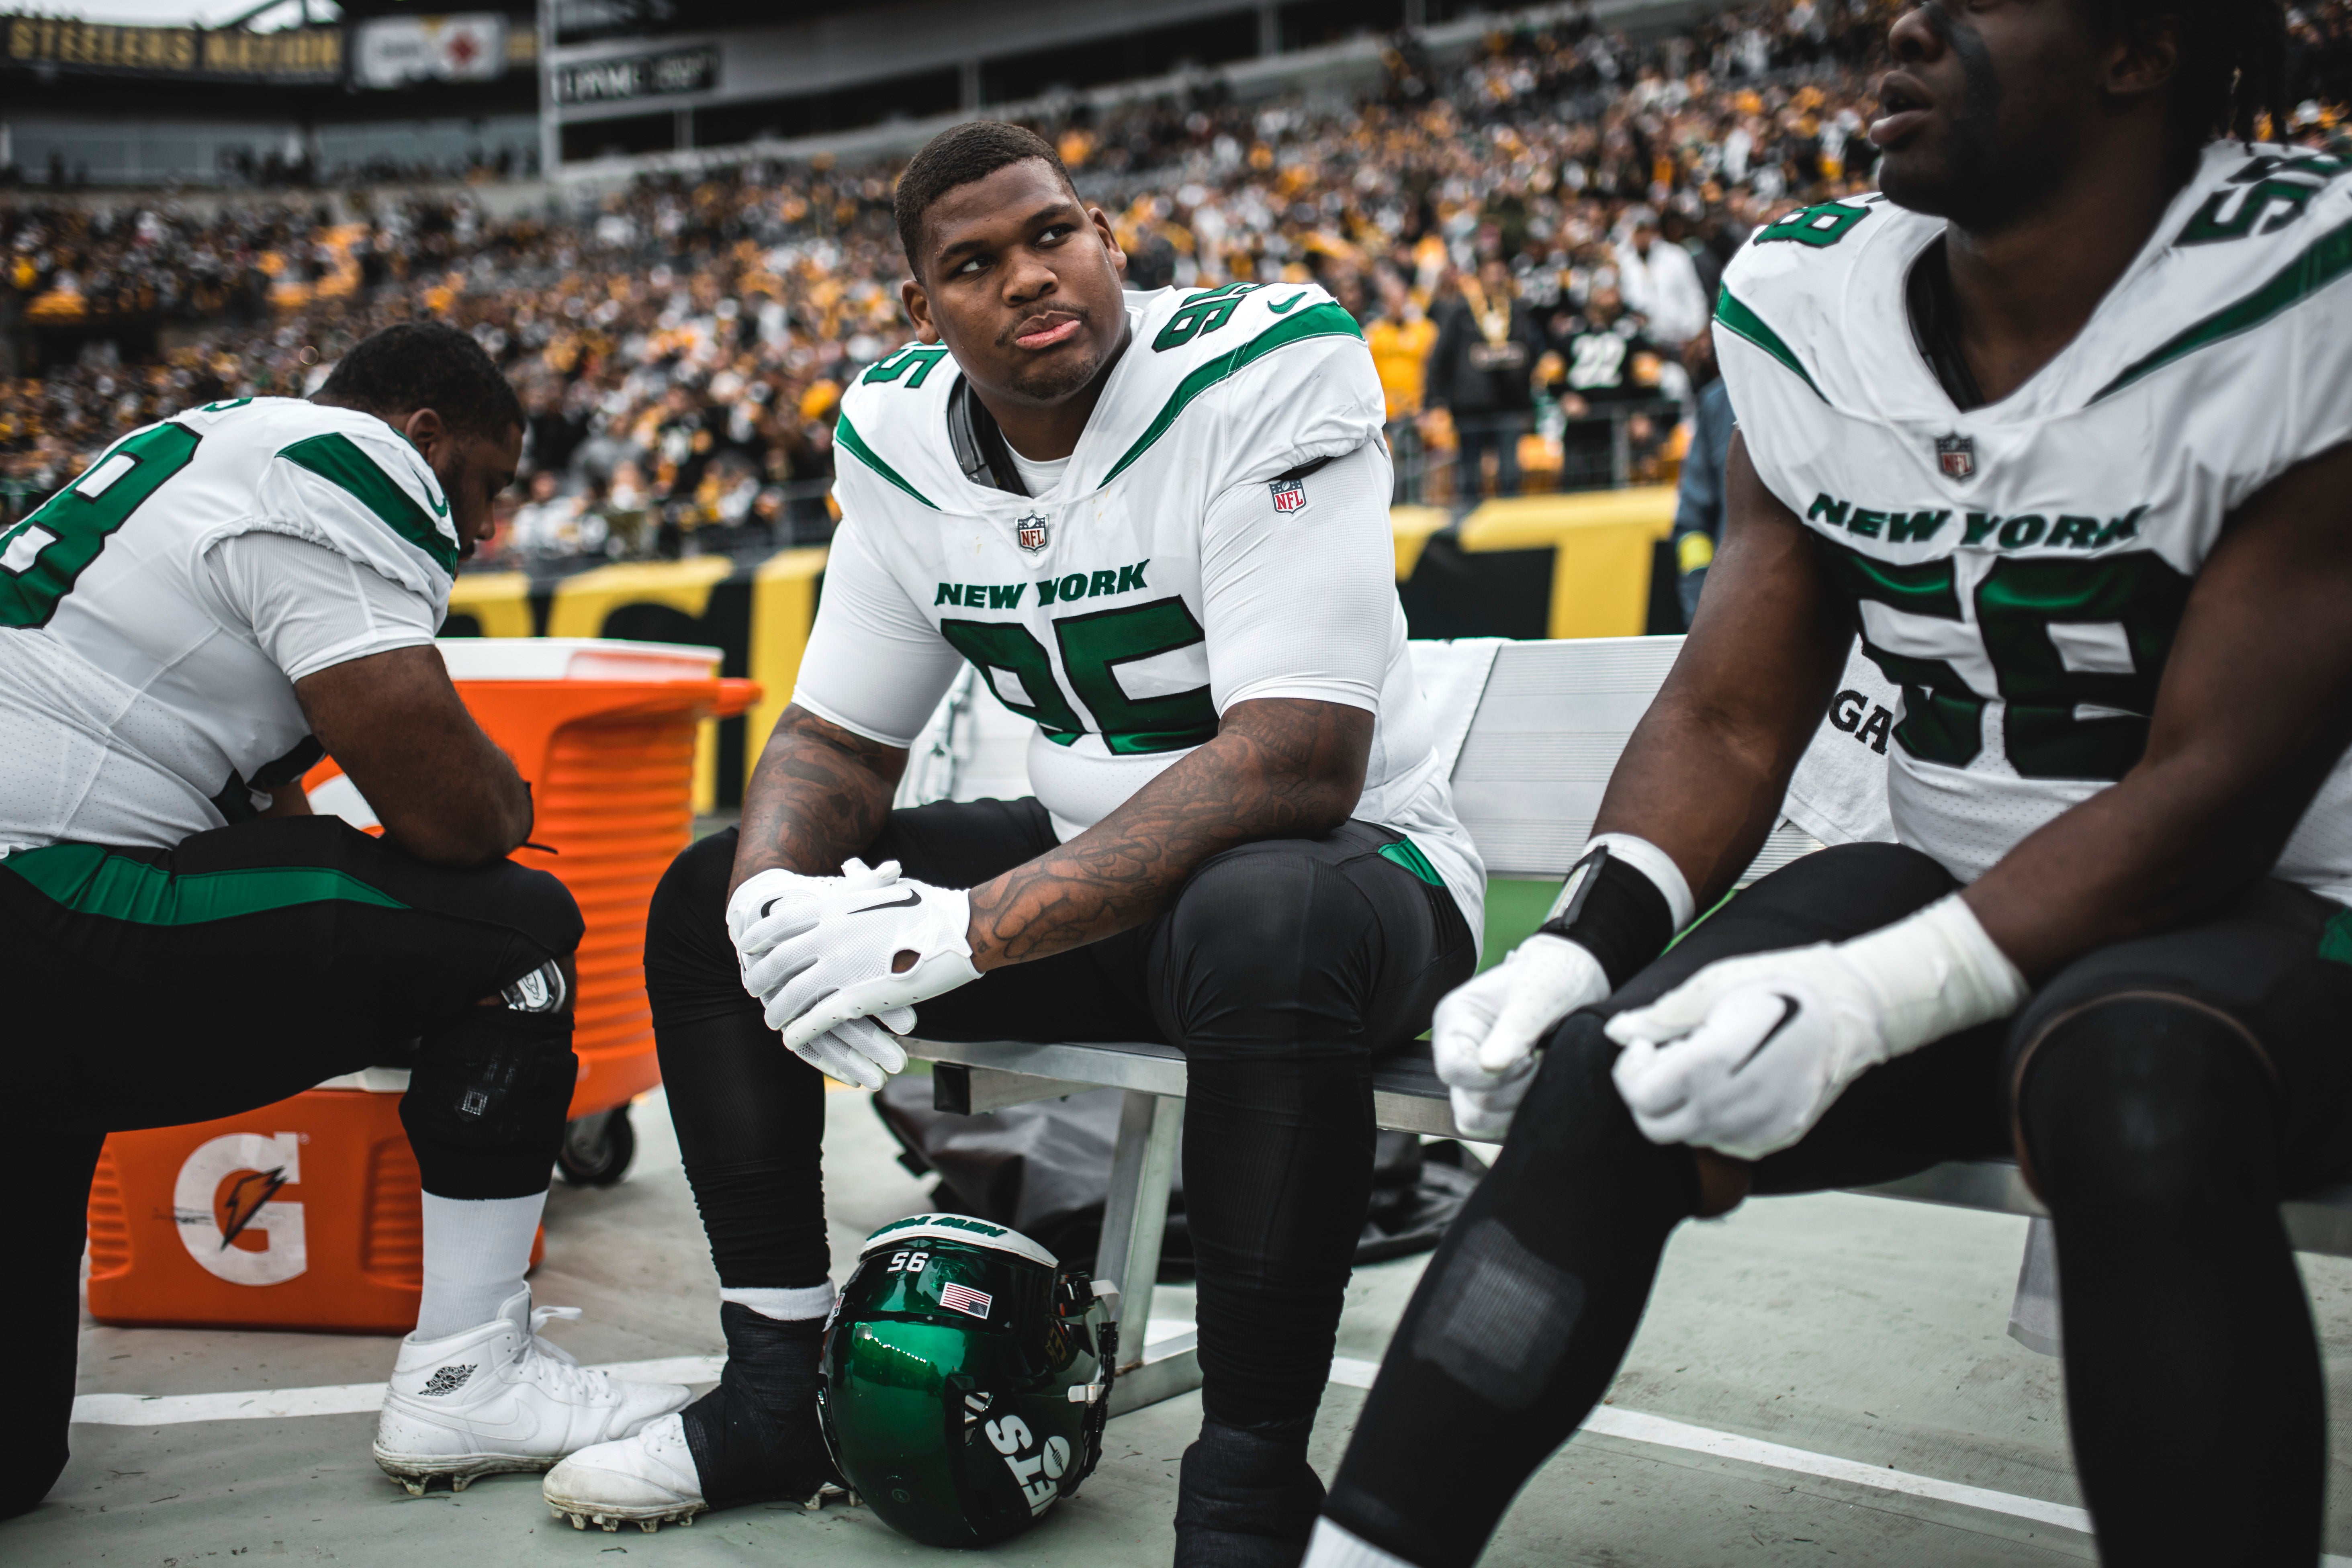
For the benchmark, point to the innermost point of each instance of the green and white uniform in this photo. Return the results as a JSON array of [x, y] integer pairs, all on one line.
[[1171, 569], [155, 613], [2021, 569]]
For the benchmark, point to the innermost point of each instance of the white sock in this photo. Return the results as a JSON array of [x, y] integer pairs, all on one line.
[[476, 1250], [784, 1305], [1332, 1547]]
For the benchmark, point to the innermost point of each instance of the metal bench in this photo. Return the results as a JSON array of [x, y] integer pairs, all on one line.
[[1536, 728]]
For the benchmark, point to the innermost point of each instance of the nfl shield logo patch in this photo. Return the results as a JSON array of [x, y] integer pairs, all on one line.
[[1029, 532], [1289, 495], [1957, 455]]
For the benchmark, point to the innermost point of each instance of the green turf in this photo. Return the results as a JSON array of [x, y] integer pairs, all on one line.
[[1515, 907]]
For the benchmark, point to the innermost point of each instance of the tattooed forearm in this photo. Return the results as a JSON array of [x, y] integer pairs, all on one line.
[[1280, 769], [818, 796]]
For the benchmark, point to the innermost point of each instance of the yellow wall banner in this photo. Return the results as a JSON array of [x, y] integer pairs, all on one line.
[[295, 54]]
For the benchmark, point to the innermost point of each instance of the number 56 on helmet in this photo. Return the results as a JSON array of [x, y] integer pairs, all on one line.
[[965, 1379]]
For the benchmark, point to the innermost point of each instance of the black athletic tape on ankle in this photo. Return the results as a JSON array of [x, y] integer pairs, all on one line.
[[1616, 913]]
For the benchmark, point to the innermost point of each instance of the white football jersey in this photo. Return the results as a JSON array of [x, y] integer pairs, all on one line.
[[2021, 569], [1181, 564], [139, 702]]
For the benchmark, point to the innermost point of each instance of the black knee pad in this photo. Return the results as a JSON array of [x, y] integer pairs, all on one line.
[[485, 1101], [2145, 1099]]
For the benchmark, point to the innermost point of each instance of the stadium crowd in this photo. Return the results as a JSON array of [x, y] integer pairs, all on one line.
[[1531, 239]]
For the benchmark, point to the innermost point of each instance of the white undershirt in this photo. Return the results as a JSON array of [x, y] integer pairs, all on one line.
[[1040, 480]]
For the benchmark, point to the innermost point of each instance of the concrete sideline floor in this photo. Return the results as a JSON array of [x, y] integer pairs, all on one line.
[[1856, 1326]]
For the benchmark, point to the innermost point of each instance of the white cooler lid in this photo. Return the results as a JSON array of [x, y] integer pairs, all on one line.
[[574, 658]]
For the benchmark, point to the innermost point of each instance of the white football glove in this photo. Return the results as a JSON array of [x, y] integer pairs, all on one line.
[[1484, 1030], [776, 904], [842, 968], [1746, 1055]]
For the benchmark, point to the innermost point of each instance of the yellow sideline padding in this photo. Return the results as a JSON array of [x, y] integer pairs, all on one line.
[[1601, 542], [784, 608], [583, 602], [498, 601], [1413, 525]]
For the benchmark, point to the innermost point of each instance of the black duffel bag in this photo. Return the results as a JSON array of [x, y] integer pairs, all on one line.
[[1044, 1168]]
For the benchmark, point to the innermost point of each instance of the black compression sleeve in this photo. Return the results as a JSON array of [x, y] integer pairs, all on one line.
[[1616, 913]]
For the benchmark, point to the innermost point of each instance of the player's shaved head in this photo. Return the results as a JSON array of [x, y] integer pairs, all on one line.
[[425, 364], [959, 156]]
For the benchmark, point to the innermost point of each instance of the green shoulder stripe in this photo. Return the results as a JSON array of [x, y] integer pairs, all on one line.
[[1739, 318], [1325, 320], [846, 436], [334, 458], [89, 879], [2327, 259]]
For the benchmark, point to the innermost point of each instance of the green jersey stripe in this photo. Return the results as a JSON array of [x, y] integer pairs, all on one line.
[[89, 879], [1407, 854], [1325, 320], [2327, 259], [1732, 314], [335, 458], [846, 436]]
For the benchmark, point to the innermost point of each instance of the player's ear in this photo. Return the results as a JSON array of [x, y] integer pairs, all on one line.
[[1095, 216], [2143, 60], [918, 310], [427, 431]]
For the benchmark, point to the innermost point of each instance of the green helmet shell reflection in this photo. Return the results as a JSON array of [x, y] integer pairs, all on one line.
[[965, 1379]]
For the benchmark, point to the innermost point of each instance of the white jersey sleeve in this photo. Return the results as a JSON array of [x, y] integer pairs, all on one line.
[[875, 666], [367, 495], [1299, 604], [1318, 397], [307, 608]]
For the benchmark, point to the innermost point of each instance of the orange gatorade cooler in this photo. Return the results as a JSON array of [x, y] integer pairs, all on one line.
[[305, 1214]]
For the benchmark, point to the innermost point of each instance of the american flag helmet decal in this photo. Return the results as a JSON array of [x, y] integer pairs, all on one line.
[[964, 1299]]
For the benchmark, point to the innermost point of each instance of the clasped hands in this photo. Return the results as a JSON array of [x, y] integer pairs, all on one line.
[[839, 962]]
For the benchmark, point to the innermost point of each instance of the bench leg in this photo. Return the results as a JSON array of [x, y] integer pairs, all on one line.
[[2034, 1311], [1135, 1219]]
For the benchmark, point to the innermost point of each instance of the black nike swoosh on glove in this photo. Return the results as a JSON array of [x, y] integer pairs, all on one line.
[[1790, 1007], [911, 899]]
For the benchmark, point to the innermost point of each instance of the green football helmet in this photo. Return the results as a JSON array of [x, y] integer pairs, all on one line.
[[965, 1379]]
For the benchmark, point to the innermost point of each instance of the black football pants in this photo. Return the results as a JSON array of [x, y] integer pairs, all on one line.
[[155, 988], [2164, 1094], [1282, 970]]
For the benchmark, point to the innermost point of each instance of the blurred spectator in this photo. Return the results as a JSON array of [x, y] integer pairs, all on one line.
[[1659, 281], [1700, 497], [1480, 377], [1603, 362]]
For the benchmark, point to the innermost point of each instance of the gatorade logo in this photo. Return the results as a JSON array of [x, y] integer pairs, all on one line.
[[230, 1218]]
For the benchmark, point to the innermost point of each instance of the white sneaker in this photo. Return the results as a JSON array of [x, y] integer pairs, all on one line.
[[647, 1480], [498, 1397]]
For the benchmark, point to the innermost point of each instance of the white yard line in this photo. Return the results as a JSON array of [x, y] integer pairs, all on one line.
[[357, 1398]]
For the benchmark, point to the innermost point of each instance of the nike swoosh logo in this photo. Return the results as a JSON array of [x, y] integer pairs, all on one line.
[[1788, 1011], [1286, 304], [440, 505], [912, 899]]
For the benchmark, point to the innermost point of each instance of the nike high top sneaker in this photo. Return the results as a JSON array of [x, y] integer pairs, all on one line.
[[498, 1397], [754, 1438]]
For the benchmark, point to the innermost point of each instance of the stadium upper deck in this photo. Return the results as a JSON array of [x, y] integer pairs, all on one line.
[[680, 340]]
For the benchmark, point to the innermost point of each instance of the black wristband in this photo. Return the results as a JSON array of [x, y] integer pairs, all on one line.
[[1616, 913]]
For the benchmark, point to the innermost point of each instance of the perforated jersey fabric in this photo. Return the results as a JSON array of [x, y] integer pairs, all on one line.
[[155, 613], [2021, 568]]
